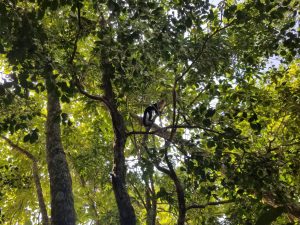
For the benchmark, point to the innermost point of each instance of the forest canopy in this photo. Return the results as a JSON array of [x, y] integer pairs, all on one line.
[[224, 144]]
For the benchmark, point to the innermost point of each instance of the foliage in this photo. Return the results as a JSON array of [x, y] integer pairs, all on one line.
[[236, 115]]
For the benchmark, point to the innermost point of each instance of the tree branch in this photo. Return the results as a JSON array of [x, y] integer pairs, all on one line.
[[139, 195], [174, 93], [71, 62], [77, 34], [36, 178], [196, 206], [164, 129], [19, 149], [201, 51], [90, 96]]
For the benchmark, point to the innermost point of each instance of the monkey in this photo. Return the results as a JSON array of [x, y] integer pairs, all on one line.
[[152, 111]]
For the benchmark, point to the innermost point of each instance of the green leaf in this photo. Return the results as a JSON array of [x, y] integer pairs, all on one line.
[[34, 136], [241, 15], [229, 132], [211, 15], [63, 86], [228, 13], [256, 126], [252, 118], [162, 193], [64, 116], [28, 222], [65, 99], [70, 123], [182, 169], [206, 122], [54, 4], [188, 22], [27, 138], [210, 112], [113, 6], [20, 126], [211, 144]]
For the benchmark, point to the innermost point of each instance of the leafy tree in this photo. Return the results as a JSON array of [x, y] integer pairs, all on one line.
[[226, 144]]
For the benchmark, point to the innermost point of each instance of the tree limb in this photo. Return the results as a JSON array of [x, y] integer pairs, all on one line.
[[19, 149], [71, 62], [162, 131], [36, 178], [196, 206]]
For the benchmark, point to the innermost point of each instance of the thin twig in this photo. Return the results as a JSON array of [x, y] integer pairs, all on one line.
[[139, 195], [174, 94], [201, 51]]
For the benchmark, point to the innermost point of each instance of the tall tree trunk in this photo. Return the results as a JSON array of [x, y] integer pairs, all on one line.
[[126, 211], [62, 203]]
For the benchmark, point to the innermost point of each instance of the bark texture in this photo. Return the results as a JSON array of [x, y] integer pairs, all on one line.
[[179, 191], [126, 211], [62, 203], [151, 202]]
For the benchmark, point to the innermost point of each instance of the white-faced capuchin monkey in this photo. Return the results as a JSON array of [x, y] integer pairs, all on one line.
[[152, 111]]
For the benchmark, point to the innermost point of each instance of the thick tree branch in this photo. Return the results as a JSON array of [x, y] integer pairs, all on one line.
[[196, 206], [156, 164], [160, 130], [90, 96], [19, 149]]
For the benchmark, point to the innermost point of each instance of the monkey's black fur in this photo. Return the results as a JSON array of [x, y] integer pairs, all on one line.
[[150, 113]]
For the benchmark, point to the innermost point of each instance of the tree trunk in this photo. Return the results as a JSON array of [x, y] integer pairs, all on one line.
[[151, 202], [178, 187], [126, 211], [62, 203], [179, 192], [181, 202]]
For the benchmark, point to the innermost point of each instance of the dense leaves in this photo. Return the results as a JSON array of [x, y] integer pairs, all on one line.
[[227, 142]]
